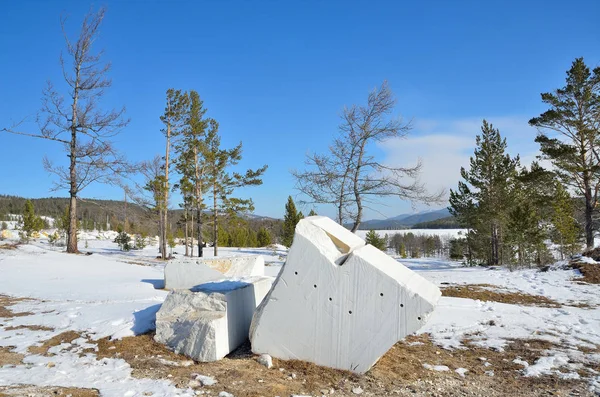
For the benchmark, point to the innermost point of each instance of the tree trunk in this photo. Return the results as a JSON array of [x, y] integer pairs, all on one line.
[[198, 205], [562, 248], [72, 232], [199, 232], [166, 196], [494, 237], [192, 235], [589, 227], [185, 217], [357, 197], [215, 223]]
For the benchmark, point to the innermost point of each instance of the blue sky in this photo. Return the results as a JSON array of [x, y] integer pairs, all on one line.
[[276, 75]]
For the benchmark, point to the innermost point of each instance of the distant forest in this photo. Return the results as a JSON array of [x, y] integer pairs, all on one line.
[[449, 222], [113, 215]]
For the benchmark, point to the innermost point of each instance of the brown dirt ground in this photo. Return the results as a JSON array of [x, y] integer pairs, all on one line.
[[7, 357], [65, 337], [484, 292], [29, 327], [400, 371], [6, 301], [589, 273], [35, 391]]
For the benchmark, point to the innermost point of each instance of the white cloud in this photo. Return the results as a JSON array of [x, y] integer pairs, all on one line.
[[444, 146]]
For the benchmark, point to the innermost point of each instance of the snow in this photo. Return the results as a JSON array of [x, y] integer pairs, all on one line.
[[439, 368], [206, 380], [586, 259], [113, 293], [461, 371]]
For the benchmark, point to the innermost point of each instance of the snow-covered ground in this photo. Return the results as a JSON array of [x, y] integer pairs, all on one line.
[[113, 293]]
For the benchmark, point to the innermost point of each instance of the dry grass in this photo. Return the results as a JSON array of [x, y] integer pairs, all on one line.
[[48, 391], [9, 246], [29, 327], [7, 357], [239, 373], [590, 273], [65, 337], [400, 371], [6, 301], [494, 293]]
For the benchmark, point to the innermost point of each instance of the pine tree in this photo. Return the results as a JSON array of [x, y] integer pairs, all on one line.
[[575, 115], [123, 240], [566, 230], [192, 161], [483, 200], [264, 237], [402, 250], [375, 240], [173, 119], [290, 220], [312, 213], [523, 229], [527, 230], [222, 184], [457, 249], [30, 222]]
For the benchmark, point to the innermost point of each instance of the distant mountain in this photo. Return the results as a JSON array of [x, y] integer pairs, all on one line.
[[404, 221], [426, 217], [381, 224]]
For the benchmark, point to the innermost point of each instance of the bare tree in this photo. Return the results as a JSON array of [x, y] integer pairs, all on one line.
[[328, 180], [349, 176], [75, 120], [149, 193]]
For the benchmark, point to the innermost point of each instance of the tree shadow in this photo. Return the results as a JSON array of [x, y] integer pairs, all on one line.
[[157, 283]]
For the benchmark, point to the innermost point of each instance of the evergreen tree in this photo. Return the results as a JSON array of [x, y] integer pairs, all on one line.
[[140, 241], [402, 250], [375, 240], [123, 240], [173, 119], [575, 115], [483, 200], [312, 213], [566, 230], [264, 237], [30, 222], [192, 161], [222, 183], [290, 220], [223, 238], [530, 216], [457, 249], [523, 232]]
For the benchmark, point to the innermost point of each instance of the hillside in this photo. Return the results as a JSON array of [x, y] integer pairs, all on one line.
[[108, 214], [449, 222], [406, 221]]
